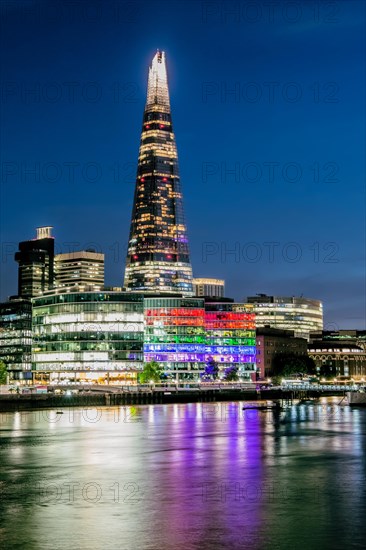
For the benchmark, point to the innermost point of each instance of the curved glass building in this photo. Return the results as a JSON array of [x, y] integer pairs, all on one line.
[[302, 315], [88, 335]]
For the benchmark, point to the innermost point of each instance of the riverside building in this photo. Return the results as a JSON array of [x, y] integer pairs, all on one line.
[[274, 341], [339, 353], [88, 336], [175, 335], [230, 336], [302, 315], [16, 338]]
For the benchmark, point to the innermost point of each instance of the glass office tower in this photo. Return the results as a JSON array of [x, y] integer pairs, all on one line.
[[36, 264], [158, 255]]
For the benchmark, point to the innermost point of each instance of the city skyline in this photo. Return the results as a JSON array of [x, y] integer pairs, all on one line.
[[229, 128]]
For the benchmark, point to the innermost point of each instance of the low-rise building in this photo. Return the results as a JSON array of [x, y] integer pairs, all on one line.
[[184, 334], [209, 287], [346, 336], [175, 335], [270, 342], [339, 353]]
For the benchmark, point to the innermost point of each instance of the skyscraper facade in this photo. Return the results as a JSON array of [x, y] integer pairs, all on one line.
[[36, 264], [82, 269], [158, 255]]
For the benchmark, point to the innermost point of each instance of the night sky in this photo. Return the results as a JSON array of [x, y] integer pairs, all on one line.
[[269, 116]]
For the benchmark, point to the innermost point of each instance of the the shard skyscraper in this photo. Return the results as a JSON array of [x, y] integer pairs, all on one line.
[[158, 255]]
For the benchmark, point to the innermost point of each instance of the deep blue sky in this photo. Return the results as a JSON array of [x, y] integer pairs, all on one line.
[[312, 50]]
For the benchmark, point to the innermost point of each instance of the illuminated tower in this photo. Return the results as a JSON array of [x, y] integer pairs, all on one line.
[[158, 254], [36, 264]]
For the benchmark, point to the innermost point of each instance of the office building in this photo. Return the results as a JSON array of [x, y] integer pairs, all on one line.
[[36, 264], [175, 335], [209, 287], [16, 338], [273, 341], [158, 255], [79, 270], [230, 336], [87, 336], [302, 315]]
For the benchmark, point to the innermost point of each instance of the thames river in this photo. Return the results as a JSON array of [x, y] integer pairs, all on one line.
[[192, 476]]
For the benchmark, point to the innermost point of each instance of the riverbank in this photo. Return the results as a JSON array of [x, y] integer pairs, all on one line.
[[31, 402], [22, 402]]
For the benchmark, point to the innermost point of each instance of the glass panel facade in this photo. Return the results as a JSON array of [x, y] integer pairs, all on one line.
[[158, 255], [88, 332], [302, 315], [183, 334], [118, 331], [230, 335], [16, 338]]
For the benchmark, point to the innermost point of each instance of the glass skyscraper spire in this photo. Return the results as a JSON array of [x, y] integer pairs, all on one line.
[[158, 255]]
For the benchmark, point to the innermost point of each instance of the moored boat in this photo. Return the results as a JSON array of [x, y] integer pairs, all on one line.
[[269, 406], [357, 398]]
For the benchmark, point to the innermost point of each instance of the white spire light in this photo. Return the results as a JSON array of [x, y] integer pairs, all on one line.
[[157, 87]]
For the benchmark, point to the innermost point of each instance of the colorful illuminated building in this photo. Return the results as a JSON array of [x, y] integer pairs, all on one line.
[[92, 336], [175, 335], [158, 255], [230, 336], [183, 334]]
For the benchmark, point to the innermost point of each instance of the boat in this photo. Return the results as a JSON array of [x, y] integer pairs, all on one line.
[[268, 407], [356, 398]]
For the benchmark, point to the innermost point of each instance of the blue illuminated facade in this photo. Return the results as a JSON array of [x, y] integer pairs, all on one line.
[[183, 334]]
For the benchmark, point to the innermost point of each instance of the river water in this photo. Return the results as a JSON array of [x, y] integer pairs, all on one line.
[[192, 476]]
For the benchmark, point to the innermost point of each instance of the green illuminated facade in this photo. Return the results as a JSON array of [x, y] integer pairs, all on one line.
[[183, 334], [175, 335]]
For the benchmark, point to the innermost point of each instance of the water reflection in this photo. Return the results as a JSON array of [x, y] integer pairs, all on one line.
[[205, 475]]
